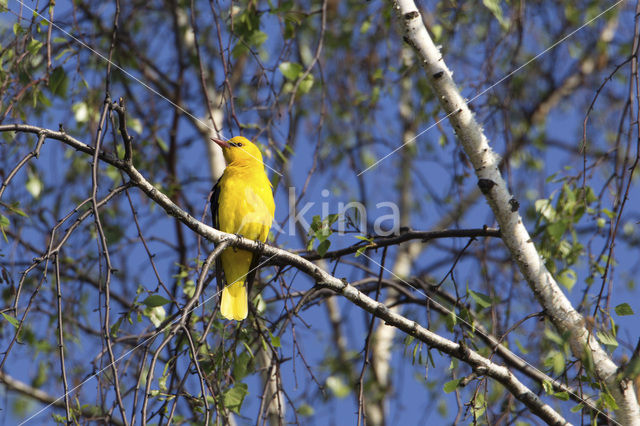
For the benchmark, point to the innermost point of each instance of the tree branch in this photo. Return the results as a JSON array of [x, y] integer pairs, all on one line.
[[480, 364], [38, 394]]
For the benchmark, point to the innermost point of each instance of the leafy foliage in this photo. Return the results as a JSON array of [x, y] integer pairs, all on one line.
[[328, 89]]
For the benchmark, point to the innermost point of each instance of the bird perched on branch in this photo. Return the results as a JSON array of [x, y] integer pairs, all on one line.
[[241, 203]]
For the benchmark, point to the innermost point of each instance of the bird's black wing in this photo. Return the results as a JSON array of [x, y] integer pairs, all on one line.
[[215, 204], [252, 271], [215, 199]]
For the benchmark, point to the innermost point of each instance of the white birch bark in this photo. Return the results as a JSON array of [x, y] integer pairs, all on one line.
[[205, 125], [382, 343], [515, 236], [273, 399]]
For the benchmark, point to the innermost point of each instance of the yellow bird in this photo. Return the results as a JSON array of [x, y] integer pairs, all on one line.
[[241, 203]]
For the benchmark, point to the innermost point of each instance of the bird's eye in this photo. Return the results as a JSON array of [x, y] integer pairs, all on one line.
[[239, 144]]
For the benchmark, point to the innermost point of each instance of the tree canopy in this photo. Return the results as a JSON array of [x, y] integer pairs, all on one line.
[[456, 229]]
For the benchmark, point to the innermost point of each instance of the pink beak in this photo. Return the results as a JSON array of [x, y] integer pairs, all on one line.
[[221, 143]]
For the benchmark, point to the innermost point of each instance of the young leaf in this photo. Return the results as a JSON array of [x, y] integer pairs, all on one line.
[[607, 339], [155, 300], [14, 322], [290, 70], [58, 82], [623, 309], [323, 247], [451, 385], [275, 340], [337, 386], [242, 366], [234, 397], [34, 184], [305, 410], [482, 300], [4, 223], [567, 278]]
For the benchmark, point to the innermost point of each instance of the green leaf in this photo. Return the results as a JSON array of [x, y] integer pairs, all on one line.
[[609, 401], [295, 16], [623, 309], [567, 278], [323, 247], [451, 320], [13, 321], [275, 341], [163, 145], [14, 208], [607, 339], [324, 232], [241, 366], [361, 250], [545, 209], [234, 397], [34, 46], [331, 219], [482, 300], [521, 348], [58, 82], [155, 300], [289, 29], [80, 112], [306, 84], [496, 10], [156, 314], [479, 405], [315, 224], [557, 229], [609, 213], [258, 38], [577, 408], [162, 382], [436, 30], [337, 386], [290, 70], [451, 385], [135, 124], [364, 28], [34, 184], [189, 288], [113, 331], [564, 396], [305, 410], [557, 362]]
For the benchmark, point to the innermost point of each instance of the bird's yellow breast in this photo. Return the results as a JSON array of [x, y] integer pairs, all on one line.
[[246, 204]]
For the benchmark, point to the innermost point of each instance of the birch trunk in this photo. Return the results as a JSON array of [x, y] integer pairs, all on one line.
[[514, 234]]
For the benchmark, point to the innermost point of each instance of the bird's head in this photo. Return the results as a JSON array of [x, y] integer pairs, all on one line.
[[239, 149]]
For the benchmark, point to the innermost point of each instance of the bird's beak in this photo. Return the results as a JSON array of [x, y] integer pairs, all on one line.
[[221, 143]]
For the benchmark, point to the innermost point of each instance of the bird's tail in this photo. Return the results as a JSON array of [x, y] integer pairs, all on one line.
[[233, 305]]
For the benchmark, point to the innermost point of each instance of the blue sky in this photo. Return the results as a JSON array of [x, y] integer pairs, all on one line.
[[412, 400]]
